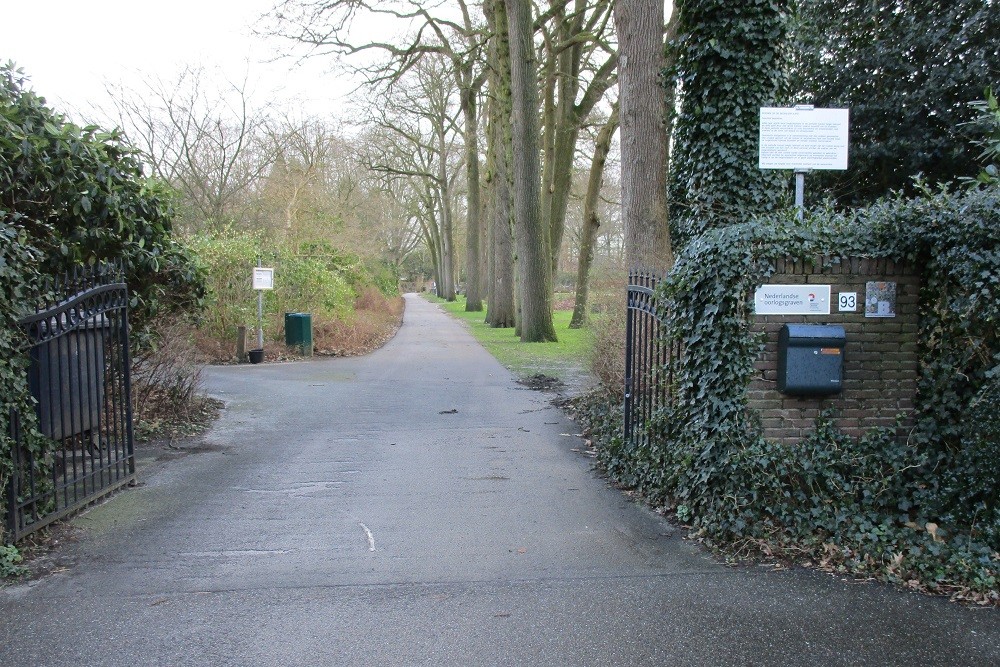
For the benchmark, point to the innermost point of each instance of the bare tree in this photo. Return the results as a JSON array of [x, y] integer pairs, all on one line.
[[213, 146], [643, 135], [580, 66], [530, 237], [418, 139], [591, 221], [304, 151], [325, 25], [401, 240]]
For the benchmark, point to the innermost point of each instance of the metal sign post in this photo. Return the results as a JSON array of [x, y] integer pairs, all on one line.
[[263, 278], [260, 319], [800, 192]]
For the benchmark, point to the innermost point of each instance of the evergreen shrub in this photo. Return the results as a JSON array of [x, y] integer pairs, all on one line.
[[74, 196]]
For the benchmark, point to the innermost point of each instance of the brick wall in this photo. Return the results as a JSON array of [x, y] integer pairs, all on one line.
[[880, 360]]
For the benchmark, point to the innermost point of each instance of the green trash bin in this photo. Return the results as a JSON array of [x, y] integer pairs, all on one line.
[[298, 332]]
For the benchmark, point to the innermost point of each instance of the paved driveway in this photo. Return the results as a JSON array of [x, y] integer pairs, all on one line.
[[416, 506]]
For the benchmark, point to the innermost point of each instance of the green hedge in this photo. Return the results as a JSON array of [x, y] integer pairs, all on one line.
[[314, 277]]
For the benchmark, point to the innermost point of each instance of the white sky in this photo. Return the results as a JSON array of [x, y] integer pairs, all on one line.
[[70, 49]]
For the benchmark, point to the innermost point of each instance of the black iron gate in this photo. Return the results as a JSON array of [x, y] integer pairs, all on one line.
[[649, 360], [79, 376]]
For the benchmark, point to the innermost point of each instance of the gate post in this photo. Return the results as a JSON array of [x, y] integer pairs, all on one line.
[[629, 349]]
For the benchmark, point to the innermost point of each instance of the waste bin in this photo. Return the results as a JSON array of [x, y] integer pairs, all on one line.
[[811, 359], [298, 332]]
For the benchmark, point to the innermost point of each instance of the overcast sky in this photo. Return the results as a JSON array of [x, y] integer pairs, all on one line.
[[71, 49]]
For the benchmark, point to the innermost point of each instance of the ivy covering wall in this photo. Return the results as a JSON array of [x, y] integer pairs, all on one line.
[[920, 507]]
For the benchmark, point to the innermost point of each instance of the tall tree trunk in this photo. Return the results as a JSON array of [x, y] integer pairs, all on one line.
[[501, 300], [566, 130], [434, 245], [591, 222], [502, 309], [447, 222], [489, 172], [484, 240], [549, 79], [430, 232], [447, 289], [473, 260], [530, 238], [643, 139]]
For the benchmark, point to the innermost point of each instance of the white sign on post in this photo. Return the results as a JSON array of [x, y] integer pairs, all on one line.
[[263, 278], [792, 300], [803, 138]]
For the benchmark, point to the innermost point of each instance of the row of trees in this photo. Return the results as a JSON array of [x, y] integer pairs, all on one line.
[[234, 162], [500, 82], [390, 186], [481, 109], [472, 134]]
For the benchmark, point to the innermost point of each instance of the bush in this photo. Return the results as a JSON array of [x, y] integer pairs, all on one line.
[[227, 259], [313, 277], [607, 321], [79, 197], [308, 284], [10, 562], [970, 488], [374, 321], [74, 196], [385, 277], [166, 377]]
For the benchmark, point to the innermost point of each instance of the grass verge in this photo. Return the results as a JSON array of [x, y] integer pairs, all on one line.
[[567, 359]]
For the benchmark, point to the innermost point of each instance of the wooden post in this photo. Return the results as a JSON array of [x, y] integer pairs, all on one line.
[[241, 343]]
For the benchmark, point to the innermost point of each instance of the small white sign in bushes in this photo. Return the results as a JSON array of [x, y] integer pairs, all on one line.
[[263, 278]]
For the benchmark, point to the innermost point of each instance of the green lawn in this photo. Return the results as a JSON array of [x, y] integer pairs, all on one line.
[[566, 359]]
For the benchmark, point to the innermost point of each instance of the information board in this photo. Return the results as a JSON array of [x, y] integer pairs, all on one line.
[[803, 138]]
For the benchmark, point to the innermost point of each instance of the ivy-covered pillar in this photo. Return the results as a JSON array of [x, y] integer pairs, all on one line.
[[729, 64]]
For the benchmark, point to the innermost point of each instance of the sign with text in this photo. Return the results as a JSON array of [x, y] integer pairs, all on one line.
[[263, 278], [792, 300], [803, 138]]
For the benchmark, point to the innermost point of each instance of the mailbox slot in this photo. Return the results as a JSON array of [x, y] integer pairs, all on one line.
[[811, 359]]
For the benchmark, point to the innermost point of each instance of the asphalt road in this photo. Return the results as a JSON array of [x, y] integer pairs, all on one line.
[[418, 507]]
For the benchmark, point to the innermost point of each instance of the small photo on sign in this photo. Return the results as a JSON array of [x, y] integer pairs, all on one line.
[[880, 299]]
